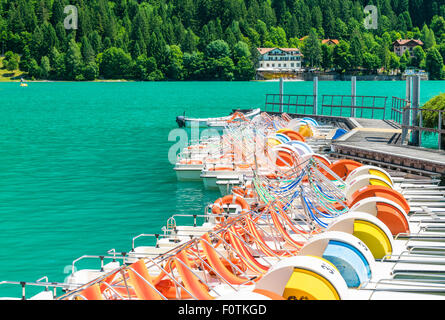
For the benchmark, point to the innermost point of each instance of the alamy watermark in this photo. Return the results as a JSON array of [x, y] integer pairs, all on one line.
[[234, 146], [71, 21], [371, 20]]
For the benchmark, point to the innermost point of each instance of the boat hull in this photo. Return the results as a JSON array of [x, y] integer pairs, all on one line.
[[211, 122], [188, 173]]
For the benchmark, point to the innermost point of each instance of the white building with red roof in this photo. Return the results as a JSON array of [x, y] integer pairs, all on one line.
[[280, 59]]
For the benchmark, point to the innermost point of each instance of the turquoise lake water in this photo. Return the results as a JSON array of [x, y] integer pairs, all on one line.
[[84, 166]]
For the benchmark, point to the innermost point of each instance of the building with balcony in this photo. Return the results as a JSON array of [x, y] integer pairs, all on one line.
[[402, 45], [279, 60]]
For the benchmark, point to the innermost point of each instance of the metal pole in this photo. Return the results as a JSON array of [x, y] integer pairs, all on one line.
[[353, 94], [281, 94], [416, 105], [315, 109], [439, 126], [405, 110]]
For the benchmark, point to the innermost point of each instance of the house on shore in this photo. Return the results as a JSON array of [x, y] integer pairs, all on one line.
[[402, 45], [279, 60]]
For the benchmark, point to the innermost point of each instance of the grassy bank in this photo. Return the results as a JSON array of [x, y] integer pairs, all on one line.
[[9, 76]]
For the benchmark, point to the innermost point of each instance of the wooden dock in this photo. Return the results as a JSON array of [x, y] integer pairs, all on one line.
[[378, 141], [370, 140]]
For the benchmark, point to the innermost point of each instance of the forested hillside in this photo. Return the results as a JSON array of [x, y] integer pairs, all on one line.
[[212, 39]]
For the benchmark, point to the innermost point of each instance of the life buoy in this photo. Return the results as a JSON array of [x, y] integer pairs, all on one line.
[[217, 207], [245, 192]]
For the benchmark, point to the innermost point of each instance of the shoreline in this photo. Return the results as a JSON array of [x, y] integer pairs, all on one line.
[[270, 80]]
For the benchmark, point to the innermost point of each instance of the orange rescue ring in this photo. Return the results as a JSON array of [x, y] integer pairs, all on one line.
[[218, 209]]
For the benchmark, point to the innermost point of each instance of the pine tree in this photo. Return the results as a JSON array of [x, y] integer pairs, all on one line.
[[357, 49], [434, 64], [73, 61], [35, 27], [312, 49]]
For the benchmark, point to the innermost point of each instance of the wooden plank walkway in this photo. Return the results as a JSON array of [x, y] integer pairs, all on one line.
[[372, 139]]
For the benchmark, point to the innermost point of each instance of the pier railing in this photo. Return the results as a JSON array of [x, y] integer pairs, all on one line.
[[398, 106], [290, 103], [354, 106], [406, 113], [417, 127]]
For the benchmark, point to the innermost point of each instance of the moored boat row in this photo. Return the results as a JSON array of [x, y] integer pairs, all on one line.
[[290, 224]]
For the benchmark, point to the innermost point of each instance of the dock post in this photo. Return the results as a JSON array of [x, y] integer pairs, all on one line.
[[281, 94], [353, 95], [415, 108], [406, 111], [315, 109], [439, 126]]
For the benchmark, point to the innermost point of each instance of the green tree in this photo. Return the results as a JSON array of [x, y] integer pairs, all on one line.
[[57, 60], [217, 49], [438, 25], [431, 118], [357, 48], [404, 62], [278, 37], [371, 62], [34, 69], [312, 49], [25, 59], [175, 63], [90, 71], [434, 64], [34, 28], [115, 64], [342, 56], [88, 53], [45, 67], [190, 41], [73, 61], [394, 61], [144, 67], [194, 66], [11, 61], [220, 69], [241, 50], [418, 56], [428, 37], [328, 59], [244, 70]]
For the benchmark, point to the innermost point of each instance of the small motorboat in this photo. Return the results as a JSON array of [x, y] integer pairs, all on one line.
[[184, 121]]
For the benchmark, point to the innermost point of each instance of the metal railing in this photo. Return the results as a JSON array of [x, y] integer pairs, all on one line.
[[290, 103], [350, 106], [40, 283], [398, 105], [416, 125]]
